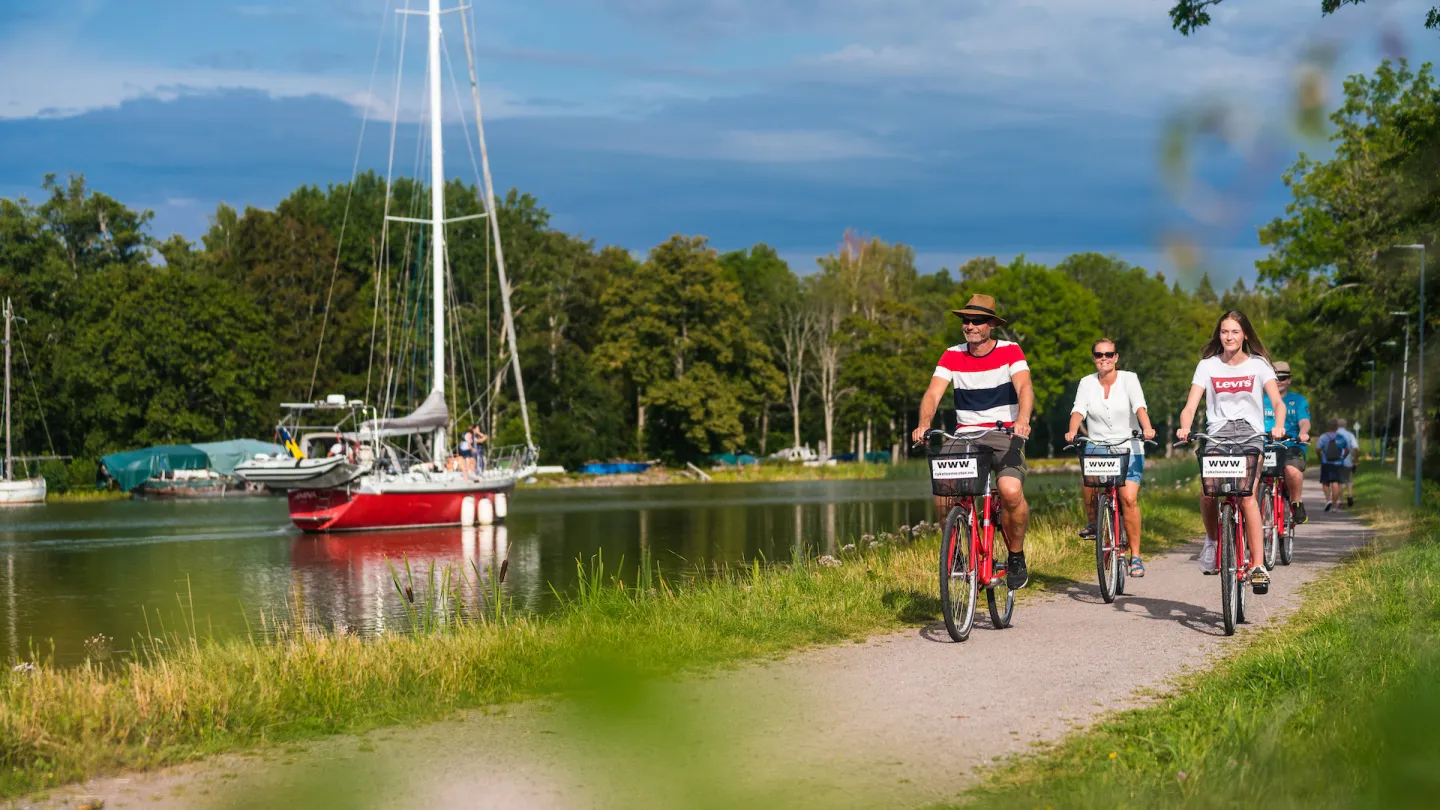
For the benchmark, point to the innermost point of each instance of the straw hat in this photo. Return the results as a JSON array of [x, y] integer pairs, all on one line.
[[980, 305]]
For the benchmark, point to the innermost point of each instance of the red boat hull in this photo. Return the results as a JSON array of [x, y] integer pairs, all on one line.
[[341, 510]]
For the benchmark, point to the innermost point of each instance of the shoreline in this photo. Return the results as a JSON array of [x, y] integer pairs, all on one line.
[[185, 697]]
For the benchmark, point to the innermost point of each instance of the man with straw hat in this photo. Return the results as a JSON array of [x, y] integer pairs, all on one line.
[[992, 384]]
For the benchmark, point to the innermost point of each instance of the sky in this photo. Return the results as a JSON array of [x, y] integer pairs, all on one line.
[[962, 128]]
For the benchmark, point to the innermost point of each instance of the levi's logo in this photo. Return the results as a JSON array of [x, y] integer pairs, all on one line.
[[1233, 385]]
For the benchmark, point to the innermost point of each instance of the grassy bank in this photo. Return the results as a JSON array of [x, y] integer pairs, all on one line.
[[86, 496], [188, 697], [1336, 708], [660, 476]]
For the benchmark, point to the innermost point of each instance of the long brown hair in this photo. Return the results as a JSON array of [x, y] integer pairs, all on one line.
[[1251, 344]]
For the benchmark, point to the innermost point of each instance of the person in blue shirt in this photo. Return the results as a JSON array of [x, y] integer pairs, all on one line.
[[1297, 424]]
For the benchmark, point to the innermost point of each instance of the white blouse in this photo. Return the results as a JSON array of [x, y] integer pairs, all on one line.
[[1110, 420]]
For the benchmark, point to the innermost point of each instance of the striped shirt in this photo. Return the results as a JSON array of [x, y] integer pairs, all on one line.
[[984, 391]]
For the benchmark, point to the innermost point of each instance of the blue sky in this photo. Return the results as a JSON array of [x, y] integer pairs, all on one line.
[[982, 127]]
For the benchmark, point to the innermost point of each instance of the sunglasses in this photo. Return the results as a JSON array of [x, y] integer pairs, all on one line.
[[968, 321], [1283, 377], [1106, 355]]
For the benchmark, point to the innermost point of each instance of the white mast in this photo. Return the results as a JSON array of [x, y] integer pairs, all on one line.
[[437, 217], [7, 389]]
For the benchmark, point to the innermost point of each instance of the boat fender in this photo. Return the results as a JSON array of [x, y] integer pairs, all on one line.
[[502, 506], [484, 512], [467, 512]]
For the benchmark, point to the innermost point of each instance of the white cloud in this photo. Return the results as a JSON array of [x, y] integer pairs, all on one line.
[[795, 146]]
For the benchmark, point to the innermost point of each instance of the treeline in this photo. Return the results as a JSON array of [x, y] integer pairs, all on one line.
[[679, 354]]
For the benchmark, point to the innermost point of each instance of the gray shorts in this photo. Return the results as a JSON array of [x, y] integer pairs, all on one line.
[[1007, 453], [1235, 434]]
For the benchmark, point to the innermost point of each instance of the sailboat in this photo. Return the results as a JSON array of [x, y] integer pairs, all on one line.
[[12, 490], [358, 470]]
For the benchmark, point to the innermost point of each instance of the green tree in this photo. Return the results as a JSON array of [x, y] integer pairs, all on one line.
[[679, 333]]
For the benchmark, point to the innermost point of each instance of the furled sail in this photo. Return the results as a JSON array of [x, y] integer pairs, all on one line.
[[432, 413]]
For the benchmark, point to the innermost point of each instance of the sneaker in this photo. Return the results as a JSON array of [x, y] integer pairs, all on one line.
[[1259, 579], [1298, 510], [1207, 558], [1328, 504], [1088, 533], [1017, 575]]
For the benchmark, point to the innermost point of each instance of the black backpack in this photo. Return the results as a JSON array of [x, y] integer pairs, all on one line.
[[1335, 450]]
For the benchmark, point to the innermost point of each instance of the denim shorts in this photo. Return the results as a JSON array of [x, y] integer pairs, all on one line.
[[1134, 473]]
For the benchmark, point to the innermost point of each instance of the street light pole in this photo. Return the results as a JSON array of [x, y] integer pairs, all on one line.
[[1419, 381], [1372, 408], [1404, 388]]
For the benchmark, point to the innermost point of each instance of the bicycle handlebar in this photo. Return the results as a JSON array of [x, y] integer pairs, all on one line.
[[999, 428], [1081, 441]]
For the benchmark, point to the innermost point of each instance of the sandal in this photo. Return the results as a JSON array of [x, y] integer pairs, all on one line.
[[1137, 568], [1088, 533]]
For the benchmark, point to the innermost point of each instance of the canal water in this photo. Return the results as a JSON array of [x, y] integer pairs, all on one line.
[[133, 569]]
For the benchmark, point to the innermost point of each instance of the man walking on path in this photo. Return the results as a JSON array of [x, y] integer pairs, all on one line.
[[1333, 448], [1349, 481]]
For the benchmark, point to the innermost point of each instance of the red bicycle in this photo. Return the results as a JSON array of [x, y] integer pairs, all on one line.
[[1275, 499], [1228, 472], [1105, 469], [960, 473]]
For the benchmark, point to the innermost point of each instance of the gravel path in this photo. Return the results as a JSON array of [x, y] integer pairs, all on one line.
[[897, 721]]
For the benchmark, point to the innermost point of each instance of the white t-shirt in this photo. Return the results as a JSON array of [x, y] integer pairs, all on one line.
[[1234, 393], [1110, 420]]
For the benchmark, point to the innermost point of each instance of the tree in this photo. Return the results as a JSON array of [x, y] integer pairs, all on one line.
[[679, 332], [1188, 16]]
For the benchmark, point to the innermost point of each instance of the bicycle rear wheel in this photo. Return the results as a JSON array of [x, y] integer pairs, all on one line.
[[1269, 530], [1229, 596], [958, 591], [1106, 564], [1122, 559], [1287, 538]]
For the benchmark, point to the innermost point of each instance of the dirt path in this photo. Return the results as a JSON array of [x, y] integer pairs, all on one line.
[[898, 721]]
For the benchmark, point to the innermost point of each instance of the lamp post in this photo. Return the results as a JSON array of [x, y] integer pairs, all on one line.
[[1419, 378], [1372, 408], [1389, 404], [1404, 385]]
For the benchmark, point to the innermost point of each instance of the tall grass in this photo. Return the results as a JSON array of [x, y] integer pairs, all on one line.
[[182, 696], [1335, 709]]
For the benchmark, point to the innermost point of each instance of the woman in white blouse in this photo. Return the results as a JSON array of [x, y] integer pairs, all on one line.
[[1112, 406]]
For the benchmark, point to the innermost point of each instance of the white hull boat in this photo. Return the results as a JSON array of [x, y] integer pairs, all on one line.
[[22, 491], [287, 472]]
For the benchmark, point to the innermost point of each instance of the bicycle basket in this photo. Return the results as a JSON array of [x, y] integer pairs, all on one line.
[[1274, 460], [957, 473], [1225, 473], [1105, 469]]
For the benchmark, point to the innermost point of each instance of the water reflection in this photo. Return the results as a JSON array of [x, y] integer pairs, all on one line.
[[232, 567]]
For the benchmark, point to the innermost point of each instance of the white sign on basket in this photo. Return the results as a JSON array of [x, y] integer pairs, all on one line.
[[1222, 466], [945, 469], [1102, 466], [1270, 459]]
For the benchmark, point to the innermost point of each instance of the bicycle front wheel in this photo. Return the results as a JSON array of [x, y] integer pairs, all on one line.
[[1287, 538], [1269, 530], [1106, 553], [1229, 590], [958, 591]]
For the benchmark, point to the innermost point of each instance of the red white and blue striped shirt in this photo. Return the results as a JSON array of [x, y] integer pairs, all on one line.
[[984, 391]]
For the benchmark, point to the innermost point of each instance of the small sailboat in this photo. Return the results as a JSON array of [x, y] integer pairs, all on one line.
[[364, 471], [13, 490]]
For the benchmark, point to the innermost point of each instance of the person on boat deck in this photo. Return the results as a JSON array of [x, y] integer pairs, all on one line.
[[467, 452]]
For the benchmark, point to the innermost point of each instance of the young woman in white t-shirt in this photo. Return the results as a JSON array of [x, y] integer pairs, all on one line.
[[1112, 405], [1233, 375]]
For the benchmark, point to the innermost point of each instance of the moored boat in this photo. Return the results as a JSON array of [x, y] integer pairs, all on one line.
[[13, 491], [400, 471]]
